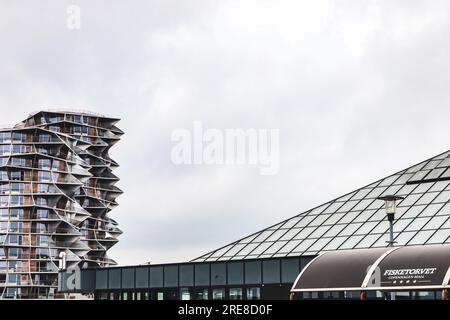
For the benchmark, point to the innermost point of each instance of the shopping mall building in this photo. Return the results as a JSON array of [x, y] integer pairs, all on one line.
[[347, 239], [57, 189]]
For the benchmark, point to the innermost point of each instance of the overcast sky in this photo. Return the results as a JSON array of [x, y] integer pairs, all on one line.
[[358, 90]]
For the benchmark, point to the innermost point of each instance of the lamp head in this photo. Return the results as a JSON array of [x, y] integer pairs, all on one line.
[[391, 205]]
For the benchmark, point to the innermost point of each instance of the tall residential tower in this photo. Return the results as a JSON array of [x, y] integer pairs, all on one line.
[[56, 191]]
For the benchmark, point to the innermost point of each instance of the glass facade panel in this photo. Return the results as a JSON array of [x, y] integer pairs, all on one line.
[[101, 279], [252, 272], [427, 198], [334, 218], [304, 233], [419, 175], [335, 243], [290, 246], [333, 207], [235, 294], [439, 186], [318, 245], [417, 224], [378, 215], [276, 235], [366, 228], [364, 216], [185, 294], [443, 197], [263, 236], [234, 250], [391, 190], [202, 275], [128, 278], [431, 210], [304, 221], [218, 274], [409, 200], [304, 245], [404, 178], [261, 248], [319, 231], [271, 271], [382, 227], [389, 180], [156, 277], [334, 230], [431, 164], [350, 229], [115, 276], [382, 241], [363, 204], [218, 294], [170, 276], [368, 240], [291, 222], [375, 193], [406, 190], [401, 224], [275, 247], [421, 237], [318, 210], [348, 206], [361, 194], [444, 163], [404, 237], [248, 248], [235, 273], [142, 277], [349, 217], [424, 187], [435, 222], [445, 210], [186, 275], [351, 242], [413, 212], [439, 237], [253, 293], [318, 220], [436, 173], [290, 269], [290, 234]]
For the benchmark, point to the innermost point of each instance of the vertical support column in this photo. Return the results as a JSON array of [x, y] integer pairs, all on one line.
[[391, 233]]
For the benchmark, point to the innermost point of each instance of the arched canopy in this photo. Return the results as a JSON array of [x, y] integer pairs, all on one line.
[[399, 268]]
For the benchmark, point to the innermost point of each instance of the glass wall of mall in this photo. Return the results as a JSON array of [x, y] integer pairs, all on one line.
[[231, 280]]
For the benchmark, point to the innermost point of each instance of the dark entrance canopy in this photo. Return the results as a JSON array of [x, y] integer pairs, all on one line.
[[399, 268]]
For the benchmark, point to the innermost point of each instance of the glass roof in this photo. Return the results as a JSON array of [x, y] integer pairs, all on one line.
[[358, 219]]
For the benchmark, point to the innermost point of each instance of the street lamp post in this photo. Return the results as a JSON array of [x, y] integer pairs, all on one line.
[[391, 206]]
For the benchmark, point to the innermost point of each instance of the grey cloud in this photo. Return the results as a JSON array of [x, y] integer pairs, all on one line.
[[358, 89]]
